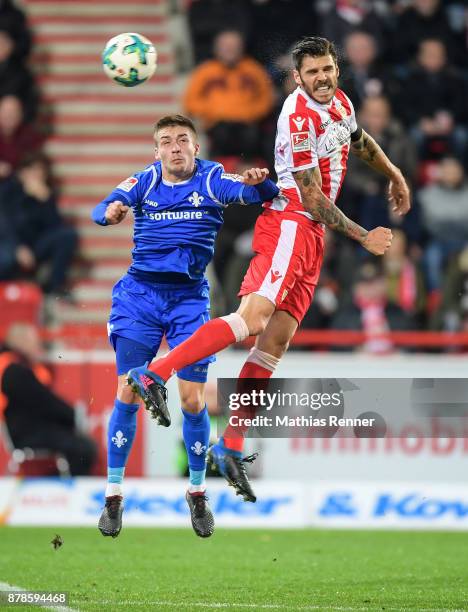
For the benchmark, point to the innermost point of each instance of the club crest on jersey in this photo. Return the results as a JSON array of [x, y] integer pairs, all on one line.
[[298, 122], [196, 199], [300, 141], [128, 183]]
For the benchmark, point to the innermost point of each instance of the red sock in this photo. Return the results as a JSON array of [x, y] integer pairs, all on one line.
[[233, 436], [210, 338]]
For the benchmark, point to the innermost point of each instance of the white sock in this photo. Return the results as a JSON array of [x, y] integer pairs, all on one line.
[[197, 488], [113, 489], [265, 360]]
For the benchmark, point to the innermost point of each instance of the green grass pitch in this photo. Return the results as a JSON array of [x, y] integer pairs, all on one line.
[[172, 569]]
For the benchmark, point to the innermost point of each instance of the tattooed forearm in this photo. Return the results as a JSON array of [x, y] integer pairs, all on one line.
[[366, 148], [323, 209], [370, 152]]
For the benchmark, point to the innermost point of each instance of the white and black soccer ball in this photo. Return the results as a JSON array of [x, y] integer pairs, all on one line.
[[129, 59]]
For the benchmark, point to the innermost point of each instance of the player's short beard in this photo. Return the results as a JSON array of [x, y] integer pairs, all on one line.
[[310, 93]]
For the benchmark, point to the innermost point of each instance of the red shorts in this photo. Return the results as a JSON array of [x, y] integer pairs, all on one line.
[[286, 266]]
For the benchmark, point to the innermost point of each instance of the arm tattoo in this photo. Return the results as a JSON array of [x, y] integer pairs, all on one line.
[[323, 209], [366, 148], [369, 151]]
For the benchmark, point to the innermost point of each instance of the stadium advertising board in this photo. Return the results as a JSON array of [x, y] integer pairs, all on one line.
[[161, 503], [395, 505], [151, 503]]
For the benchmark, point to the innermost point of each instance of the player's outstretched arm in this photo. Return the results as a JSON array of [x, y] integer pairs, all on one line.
[[370, 152], [252, 187], [377, 241]]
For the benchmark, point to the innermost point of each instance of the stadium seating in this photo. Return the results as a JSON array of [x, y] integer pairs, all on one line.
[[99, 130], [32, 462], [20, 301]]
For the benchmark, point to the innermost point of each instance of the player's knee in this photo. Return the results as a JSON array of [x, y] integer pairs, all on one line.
[[192, 401], [256, 324], [256, 315], [125, 393]]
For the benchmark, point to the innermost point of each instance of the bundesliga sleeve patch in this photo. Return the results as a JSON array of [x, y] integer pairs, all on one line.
[[300, 141], [128, 184]]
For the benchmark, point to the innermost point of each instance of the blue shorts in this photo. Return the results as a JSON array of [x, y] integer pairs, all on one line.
[[144, 312]]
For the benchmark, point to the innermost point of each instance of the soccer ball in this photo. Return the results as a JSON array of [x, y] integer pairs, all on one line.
[[129, 59]]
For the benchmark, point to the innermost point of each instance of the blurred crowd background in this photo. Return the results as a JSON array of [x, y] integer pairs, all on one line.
[[404, 64]]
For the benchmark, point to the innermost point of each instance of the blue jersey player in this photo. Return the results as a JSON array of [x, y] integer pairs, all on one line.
[[177, 204]]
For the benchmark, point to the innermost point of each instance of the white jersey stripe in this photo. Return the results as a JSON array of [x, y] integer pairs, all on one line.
[[336, 171], [280, 262]]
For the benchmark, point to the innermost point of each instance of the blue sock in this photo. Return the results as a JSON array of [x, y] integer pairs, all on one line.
[[120, 436], [196, 432]]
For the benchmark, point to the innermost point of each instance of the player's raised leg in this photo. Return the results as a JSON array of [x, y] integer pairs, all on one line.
[[120, 434], [196, 433], [210, 338], [226, 454]]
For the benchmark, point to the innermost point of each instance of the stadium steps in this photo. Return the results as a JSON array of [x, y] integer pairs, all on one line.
[[100, 131]]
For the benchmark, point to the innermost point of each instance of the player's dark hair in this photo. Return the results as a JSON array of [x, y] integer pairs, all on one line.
[[173, 120], [315, 46]]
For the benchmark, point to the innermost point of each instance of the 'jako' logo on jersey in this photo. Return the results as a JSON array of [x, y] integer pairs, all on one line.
[[152, 203], [196, 199]]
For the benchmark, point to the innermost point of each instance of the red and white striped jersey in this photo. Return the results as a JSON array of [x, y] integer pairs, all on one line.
[[310, 134]]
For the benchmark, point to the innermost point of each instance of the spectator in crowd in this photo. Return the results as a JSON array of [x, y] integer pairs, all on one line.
[[209, 17], [13, 22], [35, 416], [17, 138], [367, 187], [434, 103], [405, 281], [349, 15], [422, 20], [362, 75], [15, 258], [453, 313], [444, 211], [38, 231], [270, 41], [230, 94], [15, 77], [371, 311]]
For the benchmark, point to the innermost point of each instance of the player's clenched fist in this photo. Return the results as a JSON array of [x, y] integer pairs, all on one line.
[[378, 240], [115, 212]]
